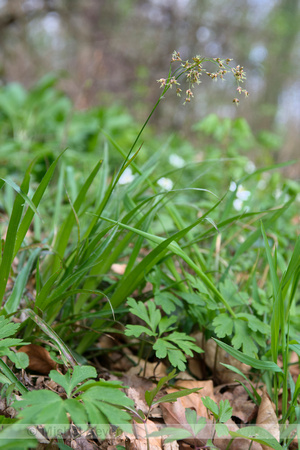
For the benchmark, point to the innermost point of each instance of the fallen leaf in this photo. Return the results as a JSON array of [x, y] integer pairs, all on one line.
[[267, 418], [195, 367], [243, 408], [39, 358], [174, 413], [214, 355], [140, 442], [295, 366], [194, 400], [119, 268], [81, 443], [171, 446], [157, 370], [136, 391]]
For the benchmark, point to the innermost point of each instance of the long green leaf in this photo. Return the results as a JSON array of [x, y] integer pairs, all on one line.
[[8, 252], [257, 434], [294, 264], [175, 248], [274, 277], [14, 299], [255, 363], [65, 230], [22, 193], [51, 333], [25, 224], [11, 376], [131, 281], [277, 306]]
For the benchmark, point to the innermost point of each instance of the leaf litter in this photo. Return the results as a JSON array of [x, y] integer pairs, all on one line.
[[173, 414]]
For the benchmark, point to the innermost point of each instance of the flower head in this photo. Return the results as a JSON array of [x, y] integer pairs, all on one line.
[[176, 161], [126, 177], [242, 194], [192, 71], [165, 183], [250, 167]]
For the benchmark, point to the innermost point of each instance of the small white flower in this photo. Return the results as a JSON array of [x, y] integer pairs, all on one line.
[[277, 194], [165, 183], [237, 204], [176, 161], [242, 194], [262, 184], [250, 167], [126, 177], [232, 186]]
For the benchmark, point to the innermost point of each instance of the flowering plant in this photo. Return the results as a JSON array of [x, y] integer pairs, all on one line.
[[193, 71]]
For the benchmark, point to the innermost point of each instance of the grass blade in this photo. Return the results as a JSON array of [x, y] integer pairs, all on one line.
[[9, 247], [14, 299], [65, 352], [25, 224], [11, 376], [255, 363], [65, 230]]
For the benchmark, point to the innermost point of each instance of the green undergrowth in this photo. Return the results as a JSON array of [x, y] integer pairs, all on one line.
[[211, 234]]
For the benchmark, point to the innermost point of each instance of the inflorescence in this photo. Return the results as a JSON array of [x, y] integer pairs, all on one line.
[[193, 71]]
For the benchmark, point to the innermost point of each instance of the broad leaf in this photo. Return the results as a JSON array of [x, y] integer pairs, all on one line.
[[68, 381]]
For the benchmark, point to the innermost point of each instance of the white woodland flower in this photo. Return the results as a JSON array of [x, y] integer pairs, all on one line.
[[237, 204], [232, 186], [165, 183], [250, 167], [242, 194], [262, 184], [126, 177], [176, 161]]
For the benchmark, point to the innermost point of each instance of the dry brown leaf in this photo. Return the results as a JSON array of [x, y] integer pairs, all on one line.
[[136, 391], [174, 413], [174, 416], [295, 367], [138, 398], [266, 417], [81, 443], [185, 376], [39, 358], [243, 408], [213, 360], [194, 400], [115, 360], [119, 268], [171, 446], [157, 370], [214, 355], [195, 367], [140, 443]]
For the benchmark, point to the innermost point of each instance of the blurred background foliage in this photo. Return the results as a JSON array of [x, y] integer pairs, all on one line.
[[110, 53]]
